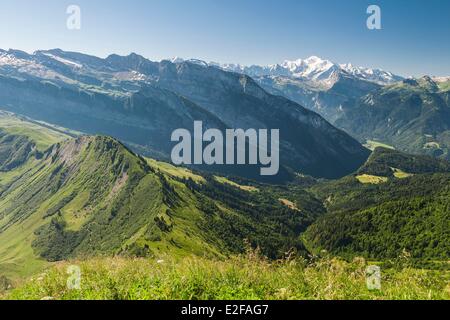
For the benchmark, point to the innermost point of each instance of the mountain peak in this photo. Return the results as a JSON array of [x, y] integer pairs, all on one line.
[[52, 51], [311, 58], [316, 59], [176, 60], [315, 69], [199, 62], [132, 56]]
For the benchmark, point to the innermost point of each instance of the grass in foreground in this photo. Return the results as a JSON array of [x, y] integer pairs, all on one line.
[[245, 277]]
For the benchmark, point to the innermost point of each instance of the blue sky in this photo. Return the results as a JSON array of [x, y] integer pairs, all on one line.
[[414, 39]]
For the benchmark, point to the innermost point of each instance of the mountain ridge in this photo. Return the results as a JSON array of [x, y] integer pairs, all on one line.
[[314, 69], [141, 102]]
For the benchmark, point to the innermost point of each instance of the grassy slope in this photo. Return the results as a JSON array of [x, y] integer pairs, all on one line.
[[444, 86], [16, 255], [86, 198], [91, 196], [386, 162], [372, 145], [42, 136], [371, 179]]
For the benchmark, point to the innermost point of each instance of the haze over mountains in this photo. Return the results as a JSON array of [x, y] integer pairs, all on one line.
[[141, 102]]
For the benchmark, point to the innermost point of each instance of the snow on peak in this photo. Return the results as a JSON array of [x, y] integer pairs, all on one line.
[[316, 69], [23, 66], [62, 60], [176, 60], [374, 75], [199, 62], [313, 68]]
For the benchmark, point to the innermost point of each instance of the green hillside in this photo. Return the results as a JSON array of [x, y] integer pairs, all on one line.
[[408, 211], [39, 134], [386, 162], [90, 196]]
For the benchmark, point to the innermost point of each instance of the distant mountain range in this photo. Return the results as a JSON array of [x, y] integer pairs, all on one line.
[[141, 102], [371, 104], [318, 84], [314, 69]]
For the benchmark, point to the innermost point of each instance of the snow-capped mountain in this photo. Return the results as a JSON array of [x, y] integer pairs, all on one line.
[[314, 69], [318, 84], [20, 63], [374, 75], [61, 67]]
